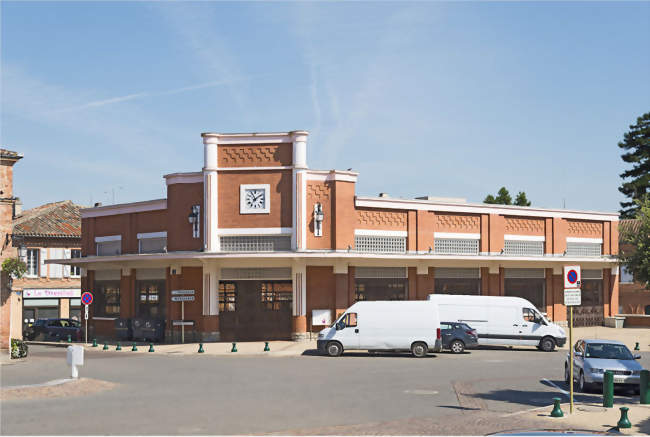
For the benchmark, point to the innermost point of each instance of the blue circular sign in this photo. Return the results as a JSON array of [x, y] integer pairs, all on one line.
[[87, 298], [572, 276]]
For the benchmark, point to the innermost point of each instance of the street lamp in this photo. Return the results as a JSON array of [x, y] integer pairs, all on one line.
[[193, 218], [318, 220]]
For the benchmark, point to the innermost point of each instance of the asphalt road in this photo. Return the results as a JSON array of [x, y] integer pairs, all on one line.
[[197, 394]]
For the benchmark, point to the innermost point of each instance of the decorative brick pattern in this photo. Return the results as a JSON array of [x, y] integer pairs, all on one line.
[[524, 226], [318, 192], [581, 228], [458, 223], [259, 155], [381, 219]]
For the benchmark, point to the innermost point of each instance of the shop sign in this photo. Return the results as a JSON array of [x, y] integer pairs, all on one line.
[[572, 297], [182, 298], [51, 292]]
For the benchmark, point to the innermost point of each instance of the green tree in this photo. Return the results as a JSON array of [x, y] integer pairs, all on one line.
[[490, 199], [503, 197], [521, 199], [637, 260], [14, 267], [636, 144]]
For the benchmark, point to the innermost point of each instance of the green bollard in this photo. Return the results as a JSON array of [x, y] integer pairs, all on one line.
[[608, 389], [119, 346], [636, 347], [94, 342], [624, 422], [266, 346], [134, 348], [557, 411], [105, 348], [201, 348], [69, 338], [644, 389], [234, 347], [151, 347]]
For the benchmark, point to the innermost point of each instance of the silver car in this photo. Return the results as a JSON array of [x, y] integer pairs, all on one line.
[[591, 358]]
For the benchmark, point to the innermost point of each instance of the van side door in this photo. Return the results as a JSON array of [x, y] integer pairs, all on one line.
[[347, 331]]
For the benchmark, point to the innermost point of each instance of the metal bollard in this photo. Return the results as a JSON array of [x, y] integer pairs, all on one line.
[[636, 347], [644, 389], [119, 346], [608, 389], [69, 338], [105, 348], [151, 347], [201, 348], [624, 422], [266, 346], [557, 411], [94, 342], [134, 348], [234, 347]]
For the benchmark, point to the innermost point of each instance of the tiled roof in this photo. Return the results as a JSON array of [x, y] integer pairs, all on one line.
[[4, 153], [58, 219]]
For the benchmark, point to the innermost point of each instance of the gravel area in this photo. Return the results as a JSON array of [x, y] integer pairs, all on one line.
[[79, 387]]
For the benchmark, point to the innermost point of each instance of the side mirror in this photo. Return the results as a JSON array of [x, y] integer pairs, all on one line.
[[637, 357], [577, 354]]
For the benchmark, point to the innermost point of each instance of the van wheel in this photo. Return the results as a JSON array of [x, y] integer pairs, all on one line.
[[457, 347], [547, 344], [419, 349], [334, 349]]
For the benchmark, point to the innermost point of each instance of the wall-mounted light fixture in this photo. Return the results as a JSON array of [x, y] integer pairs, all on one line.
[[318, 220], [194, 219], [22, 252]]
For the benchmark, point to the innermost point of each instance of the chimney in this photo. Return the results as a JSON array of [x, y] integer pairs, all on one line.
[[18, 207]]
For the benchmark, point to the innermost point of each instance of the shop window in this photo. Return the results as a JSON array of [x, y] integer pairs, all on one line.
[[531, 289], [32, 263], [457, 281], [106, 296], [75, 271], [381, 289], [276, 295], [647, 310], [150, 298], [592, 292], [227, 297]]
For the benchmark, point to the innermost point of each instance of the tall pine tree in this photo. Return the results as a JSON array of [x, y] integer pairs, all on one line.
[[636, 144]]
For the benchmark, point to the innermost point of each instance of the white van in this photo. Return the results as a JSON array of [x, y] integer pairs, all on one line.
[[501, 320], [384, 325]]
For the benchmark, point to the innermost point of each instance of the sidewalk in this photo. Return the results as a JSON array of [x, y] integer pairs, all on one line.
[[629, 336], [595, 417]]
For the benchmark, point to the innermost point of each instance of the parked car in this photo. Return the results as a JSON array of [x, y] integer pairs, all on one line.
[[54, 330], [384, 326], [458, 336], [501, 320], [591, 358]]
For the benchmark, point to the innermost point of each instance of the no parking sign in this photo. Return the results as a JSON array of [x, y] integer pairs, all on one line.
[[571, 277]]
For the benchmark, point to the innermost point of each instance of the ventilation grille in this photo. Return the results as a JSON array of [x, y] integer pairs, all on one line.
[[583, 249], [525, 248], [456, 246], [255, 273], [457, 273], [591, 274], [379, 244], [525, 273], [255, 243], [380, 272]]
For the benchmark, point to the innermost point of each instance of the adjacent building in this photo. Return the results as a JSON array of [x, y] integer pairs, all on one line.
[[271, 249], [635, 298], [49, 231]]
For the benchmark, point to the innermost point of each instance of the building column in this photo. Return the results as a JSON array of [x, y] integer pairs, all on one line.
[[210, 296], [424, 281], [494, 281], [548, 284], [613, 291], [210, 195], [485, 280], [559, 309], [341, 302], [299, 197], [299, 321], [64, 309]]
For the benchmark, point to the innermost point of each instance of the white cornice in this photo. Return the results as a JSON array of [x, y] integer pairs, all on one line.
[[124, 208], [184, 178], [254, 231], [278, 167], [583, 240], [476, 208], [512, 237], [463, 236], [252, 138], [380, 233], [332, 175]]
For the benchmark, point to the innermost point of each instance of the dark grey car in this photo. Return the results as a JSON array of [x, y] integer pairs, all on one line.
[[458, 336]]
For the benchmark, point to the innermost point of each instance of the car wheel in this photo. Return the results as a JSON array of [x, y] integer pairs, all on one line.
[[457, 347], [582, 384], [419, 349], [334, 349], [547, 344]]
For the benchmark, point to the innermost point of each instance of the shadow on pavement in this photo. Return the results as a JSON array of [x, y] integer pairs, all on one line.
[[316, 352], [456, 407]]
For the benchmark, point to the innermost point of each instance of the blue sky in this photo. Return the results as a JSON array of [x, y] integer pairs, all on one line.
[[445, 99]]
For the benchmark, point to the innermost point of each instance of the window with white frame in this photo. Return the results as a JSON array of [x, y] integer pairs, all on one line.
[[32, 263], [75, 271], [516, 245], [626, 276], [456, 244], [153, 242], [379, 244], [580, 247]]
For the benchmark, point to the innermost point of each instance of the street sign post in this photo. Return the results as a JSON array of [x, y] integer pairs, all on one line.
[[572, 297], [86, 299], [182, 296]]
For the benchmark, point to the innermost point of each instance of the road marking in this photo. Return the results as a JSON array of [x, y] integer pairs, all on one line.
[[421, 392], [564, 392], [494, 361], [526, 411]]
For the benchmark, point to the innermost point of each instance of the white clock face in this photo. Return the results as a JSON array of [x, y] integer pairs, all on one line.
[[255, 199]]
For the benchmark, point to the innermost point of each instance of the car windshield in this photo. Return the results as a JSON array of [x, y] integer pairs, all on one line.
[[608, 351]]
